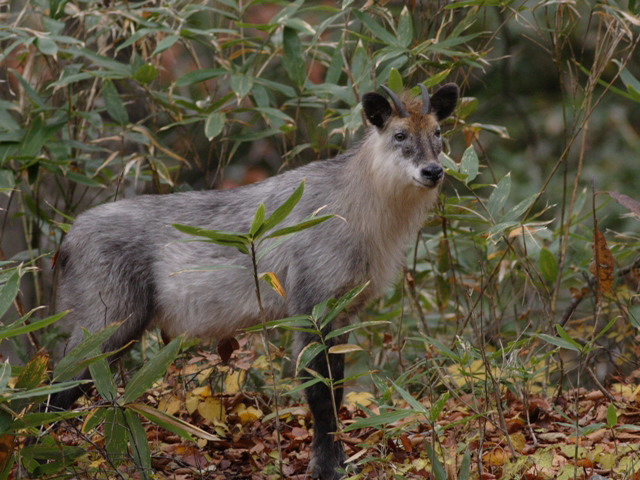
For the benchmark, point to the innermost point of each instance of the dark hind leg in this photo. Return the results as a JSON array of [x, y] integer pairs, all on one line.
[[327, 454]]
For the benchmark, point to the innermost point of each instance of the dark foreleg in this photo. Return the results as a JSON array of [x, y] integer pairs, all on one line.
[[327, 454]]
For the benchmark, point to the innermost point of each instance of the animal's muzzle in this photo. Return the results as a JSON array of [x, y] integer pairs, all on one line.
[[431, 174]]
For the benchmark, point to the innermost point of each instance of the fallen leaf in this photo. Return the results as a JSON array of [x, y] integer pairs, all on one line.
[[626, 201], [169, 404], [226, 347], [211, 408]]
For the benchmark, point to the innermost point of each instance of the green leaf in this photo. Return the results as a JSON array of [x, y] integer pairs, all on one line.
[[5, 375], [41, 418], [146, 73], [139, 443], [438, 406], [200, 76], [438, 470], [548, 265], [356, 326], [19, 329], [285, 209], [335, 67], [293, 59], [342, 303], [563, 333], [395, 81], [516, 212], [378, 420], [144, 379], [96, 416], [115, 107], [298, 227], [241, 84], [465, 466], [173, 424], [69, 365], [165, 43], [558, 342], [612, 416], [46, 45], [214, 124], [405, 28], [8, 293], [115, 434], [469, 165], [102, 378], [258, 220], [413, 403], [308, 353], [375, 28], [226, 239], [499, 196]]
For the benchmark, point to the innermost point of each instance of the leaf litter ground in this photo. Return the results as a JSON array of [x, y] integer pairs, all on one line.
[[219, 397]]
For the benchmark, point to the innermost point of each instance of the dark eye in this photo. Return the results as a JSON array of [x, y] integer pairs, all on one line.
[[437, 132], [400, 136]]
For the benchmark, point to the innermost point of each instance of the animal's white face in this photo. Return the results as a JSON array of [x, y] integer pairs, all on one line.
[[409, 138]]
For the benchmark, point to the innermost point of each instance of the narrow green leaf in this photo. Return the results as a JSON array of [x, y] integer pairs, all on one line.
[[356, 326], [395, 81], [285, 209], [335, 67], [68, 366], [438, 406], [46, 45], [375, 28], [308, 353], [565, 336], [102, 378], [405, 28], [5, 375], [413, 403], [214, 124], [33, 372], [378, 420], [293, 59], [200, 76], [9, 292], [173, 424], [151, 370], [342, 303], [146, 73], [558, 342], [115, 107], [469, 165], [165, 43], [298, 227], [12, 331], [139, 443], [241, 84], [96, 416], [438, 470], [41, 418], [612, 416], [499, 196], [465, 466], [115, 434], [548, 265]]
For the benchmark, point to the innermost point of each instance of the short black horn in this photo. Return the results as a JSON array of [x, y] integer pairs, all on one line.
[[426, 104], [402, 111]]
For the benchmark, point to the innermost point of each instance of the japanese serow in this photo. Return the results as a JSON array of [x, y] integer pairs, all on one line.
[[117, 261]]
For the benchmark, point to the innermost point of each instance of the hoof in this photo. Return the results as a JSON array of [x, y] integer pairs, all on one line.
[[324, 467]]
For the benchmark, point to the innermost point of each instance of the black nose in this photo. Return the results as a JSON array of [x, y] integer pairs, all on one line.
[[432, 173]]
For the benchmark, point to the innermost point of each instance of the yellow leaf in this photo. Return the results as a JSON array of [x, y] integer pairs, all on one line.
[[202, 391], [361, 398], [247, 414], [273, 282], [211, 409], [518, 441], [261, 363], [192, 402], [233, 381], [204, 374], [169, 404], [345, 348]]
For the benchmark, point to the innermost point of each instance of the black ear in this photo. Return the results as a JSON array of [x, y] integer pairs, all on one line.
[[376, 109], [444, 101]]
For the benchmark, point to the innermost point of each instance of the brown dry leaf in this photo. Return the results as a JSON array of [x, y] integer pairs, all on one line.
[[496, 457], [7, 444], [226, 348], [626, 201], [604, 272], [519, 441], [552, 437]]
